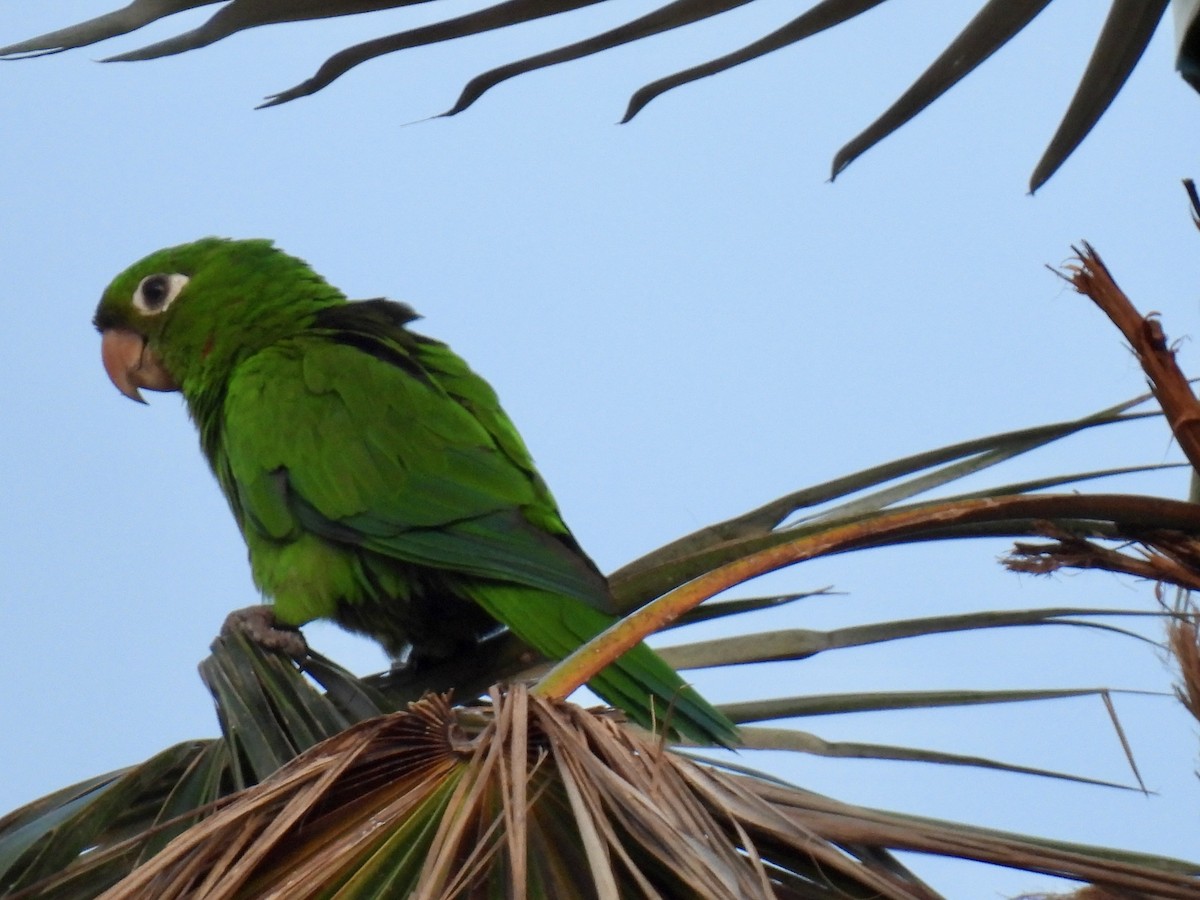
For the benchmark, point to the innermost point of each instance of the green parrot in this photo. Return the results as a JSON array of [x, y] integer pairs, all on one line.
[[374, 476]]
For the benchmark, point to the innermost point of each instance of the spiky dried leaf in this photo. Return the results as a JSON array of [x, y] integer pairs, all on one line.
[[509, 797]]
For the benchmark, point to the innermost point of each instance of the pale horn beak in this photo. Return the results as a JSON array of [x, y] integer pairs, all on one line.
[[130, 364]]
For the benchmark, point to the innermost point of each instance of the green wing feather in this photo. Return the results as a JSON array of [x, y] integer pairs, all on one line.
[[358, 445]]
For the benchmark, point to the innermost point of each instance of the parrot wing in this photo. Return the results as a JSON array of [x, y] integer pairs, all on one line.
[[366, 434]]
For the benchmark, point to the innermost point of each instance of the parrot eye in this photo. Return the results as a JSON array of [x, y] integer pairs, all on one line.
[[155, 292]]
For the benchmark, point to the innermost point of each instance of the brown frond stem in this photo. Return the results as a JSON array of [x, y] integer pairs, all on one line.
[[1163, 556], [1146, 337], [1020, 514]]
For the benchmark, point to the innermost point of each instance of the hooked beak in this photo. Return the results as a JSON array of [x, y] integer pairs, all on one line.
[[130, 364]]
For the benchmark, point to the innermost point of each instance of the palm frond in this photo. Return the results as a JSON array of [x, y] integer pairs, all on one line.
[[762, 738], [650, 575], [523, 793], [802, 643], [1127, 31], [78, 841]]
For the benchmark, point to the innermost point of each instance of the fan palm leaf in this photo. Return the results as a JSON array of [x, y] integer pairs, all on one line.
[[1123, 38]]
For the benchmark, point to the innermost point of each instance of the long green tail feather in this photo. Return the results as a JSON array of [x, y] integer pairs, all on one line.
[[640, 682]]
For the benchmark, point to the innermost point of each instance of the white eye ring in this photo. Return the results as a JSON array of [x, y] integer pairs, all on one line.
[[155, 293]]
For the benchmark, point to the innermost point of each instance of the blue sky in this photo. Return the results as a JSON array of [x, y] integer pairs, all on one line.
[[682, 315]]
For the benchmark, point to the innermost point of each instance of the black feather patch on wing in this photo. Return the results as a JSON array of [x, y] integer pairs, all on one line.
[[375, 327]]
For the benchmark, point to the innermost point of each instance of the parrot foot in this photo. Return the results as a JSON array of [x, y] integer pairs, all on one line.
[[258, 623]]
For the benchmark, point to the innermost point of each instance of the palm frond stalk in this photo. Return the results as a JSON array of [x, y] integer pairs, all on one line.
[[1123, 39]]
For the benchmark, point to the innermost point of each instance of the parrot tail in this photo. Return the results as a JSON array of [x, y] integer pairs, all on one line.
[[640, 683]]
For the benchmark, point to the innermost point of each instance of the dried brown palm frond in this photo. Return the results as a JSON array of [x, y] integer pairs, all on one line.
[[522, 796], [1123, 38], [1183, 637]]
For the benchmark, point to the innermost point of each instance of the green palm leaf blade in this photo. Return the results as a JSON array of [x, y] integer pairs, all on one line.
[[838, 704], [802, 643], [1187, 25], [890, 496], [80, 840], [89, 822], [205, 781], [355, 698], [724, 608], [267, 714], [25, 835], [1042, 484], [151, 829], [656, 572], [758, 738]]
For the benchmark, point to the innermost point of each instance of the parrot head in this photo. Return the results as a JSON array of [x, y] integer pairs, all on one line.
[[184, 315]]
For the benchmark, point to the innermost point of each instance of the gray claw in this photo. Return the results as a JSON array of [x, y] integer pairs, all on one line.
[[258, 623]]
